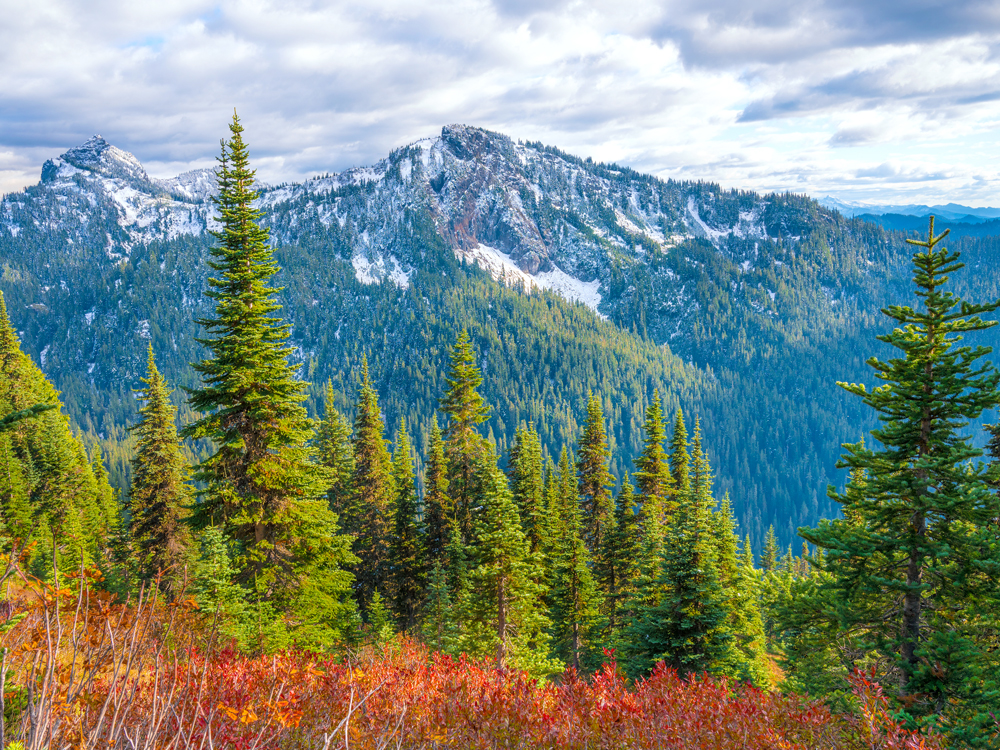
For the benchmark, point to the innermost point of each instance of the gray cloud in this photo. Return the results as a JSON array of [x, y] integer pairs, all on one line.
[[760, 94]]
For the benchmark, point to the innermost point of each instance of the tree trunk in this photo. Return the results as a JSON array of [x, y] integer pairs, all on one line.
[[501, 622]]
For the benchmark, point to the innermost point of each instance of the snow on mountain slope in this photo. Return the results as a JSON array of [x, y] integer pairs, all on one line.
[[527, 214]]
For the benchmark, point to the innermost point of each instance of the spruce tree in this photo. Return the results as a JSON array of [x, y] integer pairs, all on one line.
[[575, 600], [617, 568], [260, 483], [680, 460], [915, 560], [159, 496], [438, 510], [336, 453], [50, 494], [746, 655], [682, 619], [464, 446], [527, 482], [375, 493], [593, 454], [504, 619], [408, 557], [654, 479], [769, 556]]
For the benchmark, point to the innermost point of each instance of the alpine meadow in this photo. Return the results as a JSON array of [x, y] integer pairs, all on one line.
[[490, 446]]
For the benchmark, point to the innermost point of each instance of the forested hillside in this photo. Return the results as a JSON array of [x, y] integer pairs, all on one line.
[[739, 307]]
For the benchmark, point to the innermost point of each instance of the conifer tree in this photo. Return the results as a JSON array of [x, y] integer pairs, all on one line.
[[438, 626], [260, 483], [746, 655], [769, 556], [438, 510], [375, 493], [618, 566], [159, 496], [464, 446], [504, 619], [683, 620], [680, 460], [50, 495], [527, 481], [336, 453], [575, 600], [408, 569], [915, 558], [593, 454], [654, 479]]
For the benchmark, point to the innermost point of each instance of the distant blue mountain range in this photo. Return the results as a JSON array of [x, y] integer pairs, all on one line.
[[951, 212]]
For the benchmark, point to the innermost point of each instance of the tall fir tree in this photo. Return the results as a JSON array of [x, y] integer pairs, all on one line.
[[159, 496], [576, 617], [53, 505], [746, 654], [335, 453], [682, 620], [261, 483], [922, 539], [596, 482], [504, 620], [527, 482], [375, 494], [617, 568], [769, 555], [438, 510], [654, 479], [465, 409], [680, 459], [408, 554]]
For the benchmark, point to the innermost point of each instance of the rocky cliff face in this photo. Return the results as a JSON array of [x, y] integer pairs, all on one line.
[[530, 215]]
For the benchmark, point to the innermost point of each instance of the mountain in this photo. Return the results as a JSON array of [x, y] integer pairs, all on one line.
[[951, 212], [744, 309]]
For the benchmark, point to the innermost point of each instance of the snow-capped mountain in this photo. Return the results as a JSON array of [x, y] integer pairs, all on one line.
[[529, 215]]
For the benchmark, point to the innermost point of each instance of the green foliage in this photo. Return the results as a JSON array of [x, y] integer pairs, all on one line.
[[373, 507], [408, 553], [260, 483], [592, 457], [913, 564], [159, 496]]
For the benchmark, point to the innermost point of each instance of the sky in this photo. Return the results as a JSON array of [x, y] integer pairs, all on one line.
[[889, 102]]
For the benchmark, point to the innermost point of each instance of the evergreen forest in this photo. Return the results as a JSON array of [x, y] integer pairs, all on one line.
[[281, 502]]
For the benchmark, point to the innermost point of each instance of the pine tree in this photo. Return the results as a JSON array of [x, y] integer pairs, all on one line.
[[617, 570], [464, 446], [408, 558], [746, 655], [593, 454], [50, 494], [769, 557], [504, 619], [438, 627], [680, 460], [374, 494], [575, 600], [159, 495], [527, 482], [336, 454], [915, 559], [260, 482], [683, 617], [654, 479], [438, 510]]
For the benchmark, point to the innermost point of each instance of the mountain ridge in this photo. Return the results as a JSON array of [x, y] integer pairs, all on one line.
[[742, 308]]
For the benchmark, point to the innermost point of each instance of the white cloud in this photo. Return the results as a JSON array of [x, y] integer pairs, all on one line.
[[766, 95]]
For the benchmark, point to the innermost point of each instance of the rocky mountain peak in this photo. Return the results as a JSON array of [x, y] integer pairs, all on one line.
[[98, 156]]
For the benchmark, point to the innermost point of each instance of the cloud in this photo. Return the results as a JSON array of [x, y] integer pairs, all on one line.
[[764, 94]]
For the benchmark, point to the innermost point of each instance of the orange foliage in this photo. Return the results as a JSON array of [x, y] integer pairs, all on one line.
[[146, 677]]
